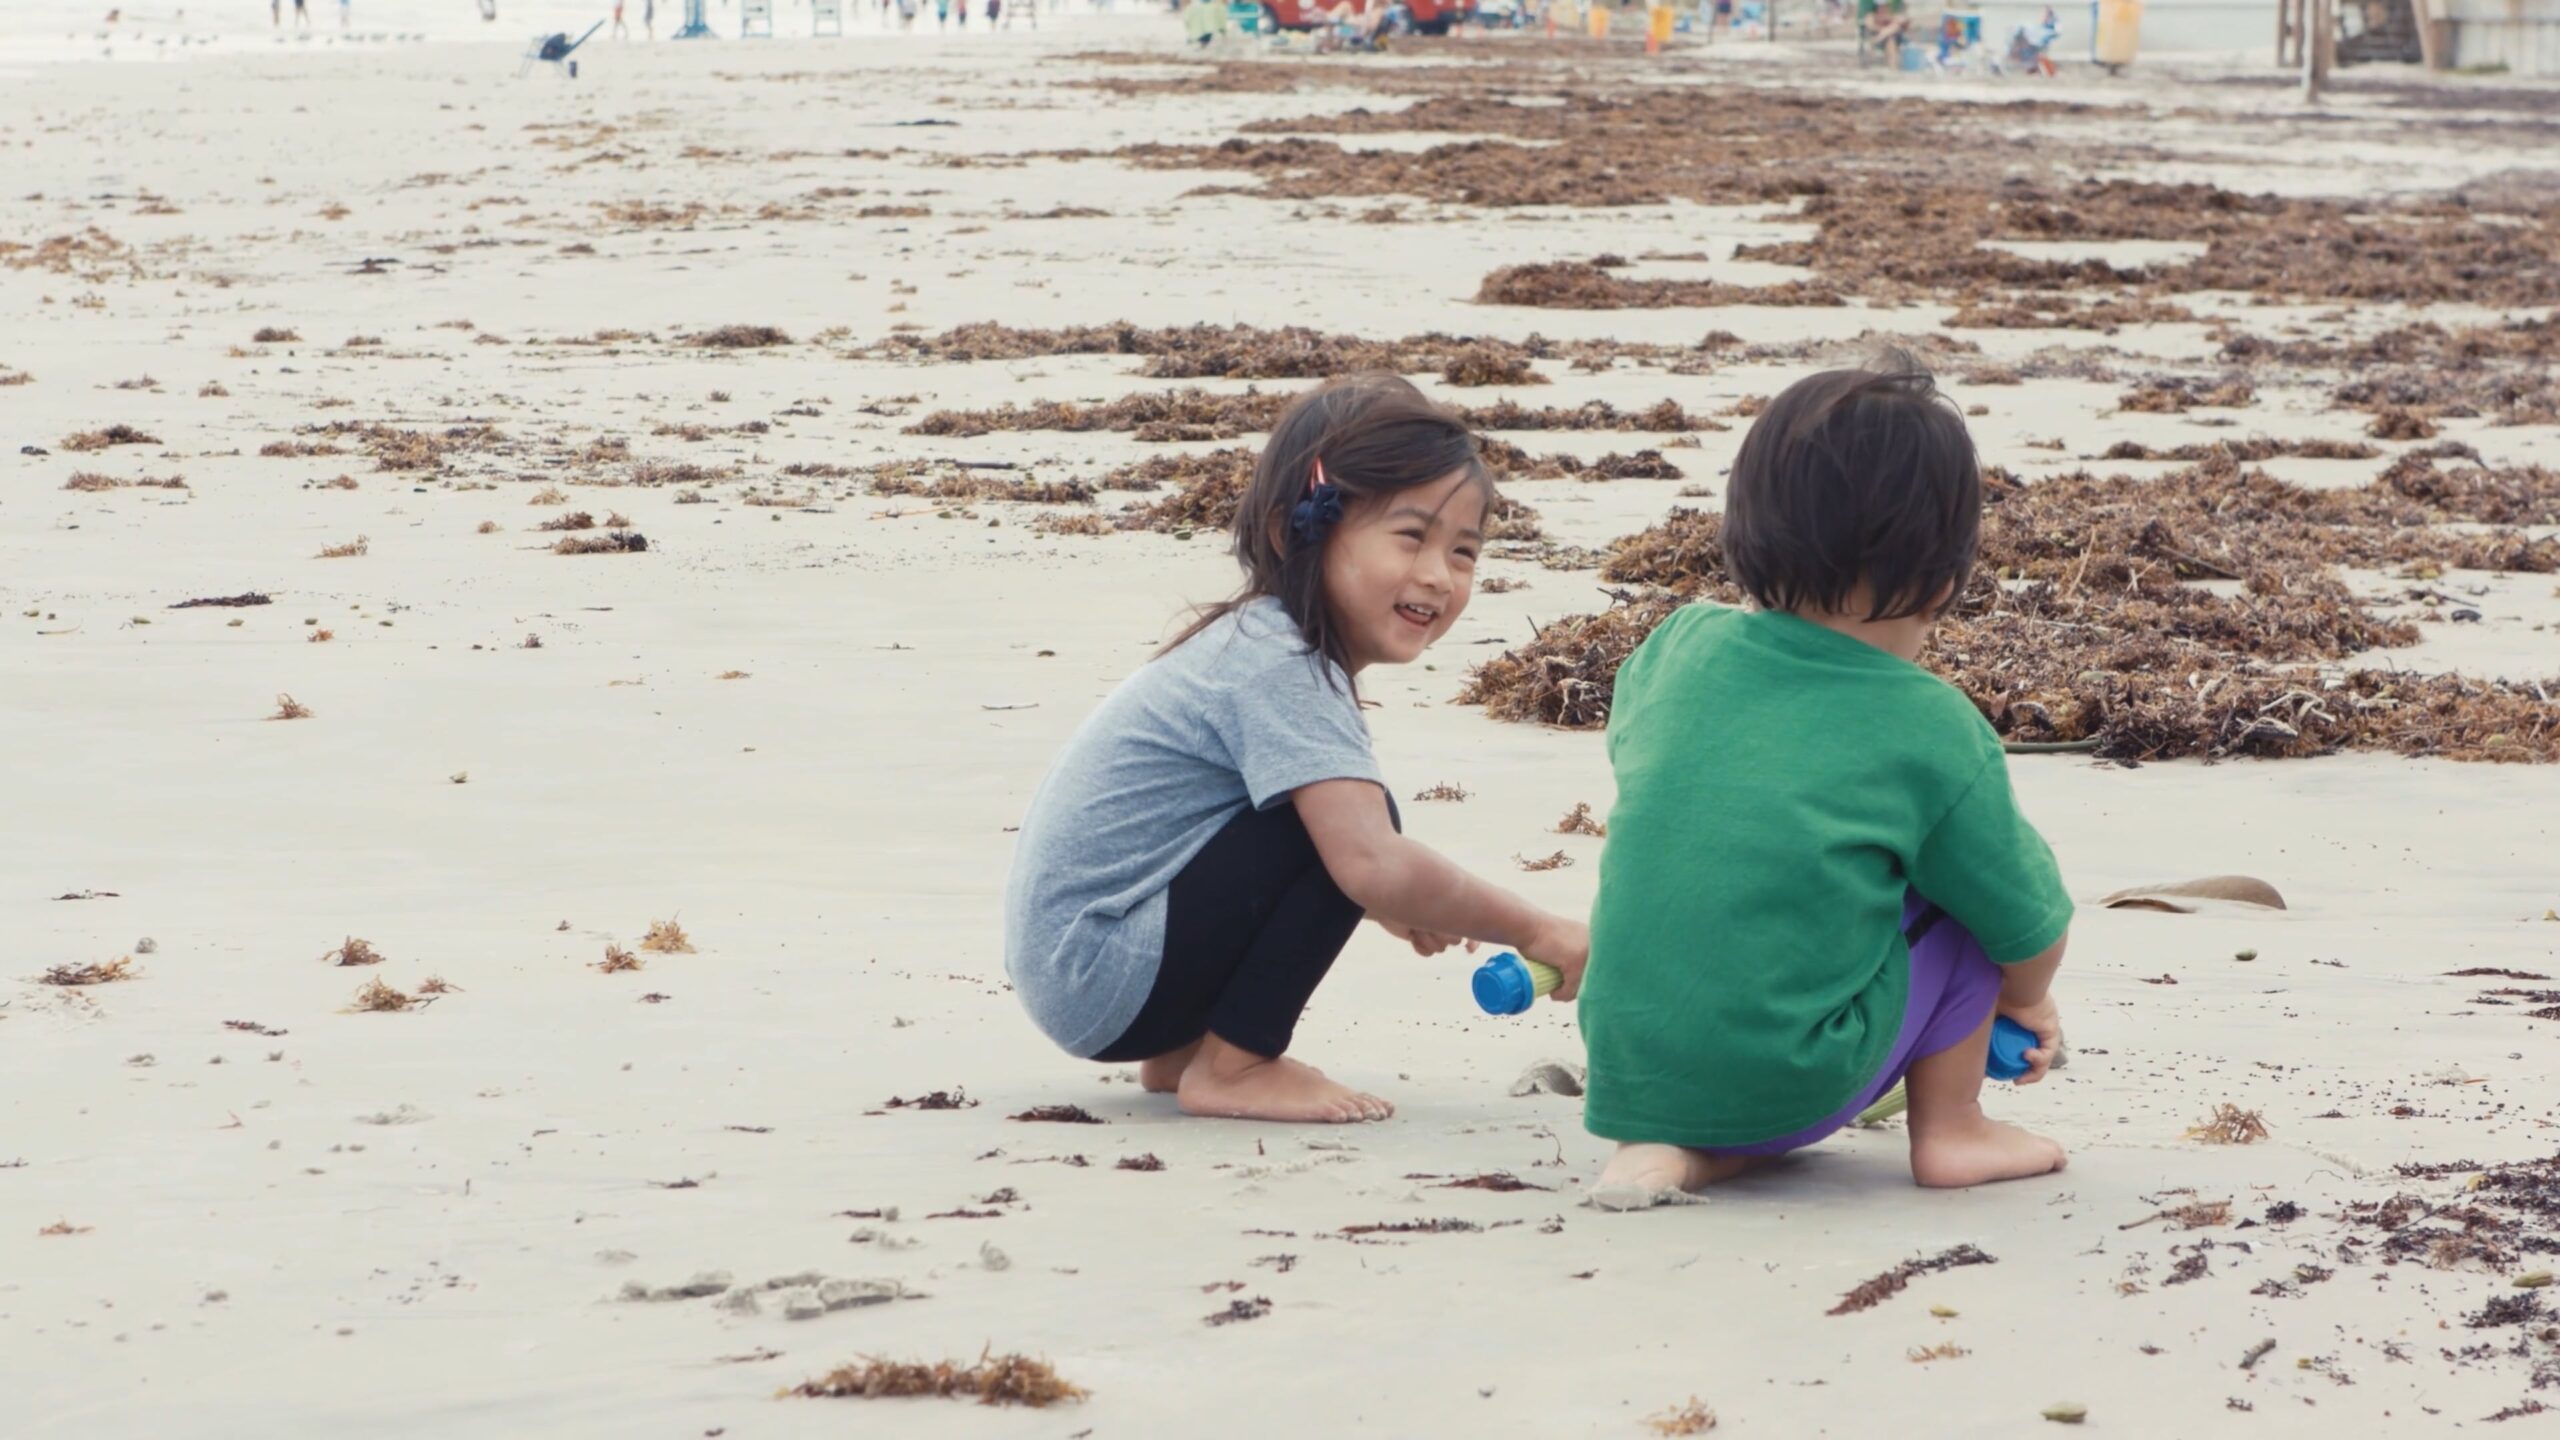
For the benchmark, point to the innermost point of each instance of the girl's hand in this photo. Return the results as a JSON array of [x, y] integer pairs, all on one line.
[[1424, 942], [2045, 1020], [1566, 945]]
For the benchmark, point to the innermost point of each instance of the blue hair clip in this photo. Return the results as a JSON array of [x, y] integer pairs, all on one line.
[[1319, 512]]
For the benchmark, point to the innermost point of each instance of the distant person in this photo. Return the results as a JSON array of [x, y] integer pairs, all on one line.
[[275, 13], [994, 9], [345, 14], [648, 19], [301, 15], [620, 30], [941, 14]]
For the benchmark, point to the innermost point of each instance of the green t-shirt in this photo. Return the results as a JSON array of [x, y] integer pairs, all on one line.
[[1779, 785]]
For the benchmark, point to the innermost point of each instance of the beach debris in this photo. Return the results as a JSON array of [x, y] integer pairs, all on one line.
[[1443, 1226], [2068, 1412], [374, 995], [1693, 1418], [1943, 1350], [65, 1227], [253, 1027], [1551, 1077], [1238, 1311], [1557, 861], [403, 1113], [2229, 1125], [1147, 1162], [618, 542], [1059, 1115], [437, 985], [616, 959], [1874, 1292], [92, 973], [1499, 1181], [736, 337], [87, 440], [1580, 821], [1443, 791], [666, 937], [702, 1283], [346, 551], [992, 1258], [954, 1098], [2255, 1353], [288, 708], [89, 895], [2181, 897], [993, 1379], [146, 946], [740, 1302], [353, 951], [2196, 1216], [2497, 973], [242, 600]]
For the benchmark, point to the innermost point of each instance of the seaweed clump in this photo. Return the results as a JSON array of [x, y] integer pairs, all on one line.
[[992, 1379]]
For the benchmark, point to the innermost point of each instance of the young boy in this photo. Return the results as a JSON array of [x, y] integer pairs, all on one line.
[[1816, 879]]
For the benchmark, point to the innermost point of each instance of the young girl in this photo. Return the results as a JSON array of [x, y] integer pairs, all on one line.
[[1816, 878], [1213, 834]]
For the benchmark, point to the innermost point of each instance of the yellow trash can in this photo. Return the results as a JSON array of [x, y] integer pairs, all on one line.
[[1599, 18], [1658, 25], [2119, 32]]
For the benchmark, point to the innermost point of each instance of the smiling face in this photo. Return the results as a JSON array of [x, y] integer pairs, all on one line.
[[1399, 568]]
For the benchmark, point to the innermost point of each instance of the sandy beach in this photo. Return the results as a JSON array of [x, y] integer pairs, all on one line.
[[393, 301]]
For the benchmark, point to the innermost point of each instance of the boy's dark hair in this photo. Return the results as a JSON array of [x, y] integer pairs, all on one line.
[[1376, 435], [1853, 475]]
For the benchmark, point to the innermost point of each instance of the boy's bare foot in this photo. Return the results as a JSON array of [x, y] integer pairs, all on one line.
[[1160, 1074], [1235, 1084], [1640, 1177], [1976, 1150]]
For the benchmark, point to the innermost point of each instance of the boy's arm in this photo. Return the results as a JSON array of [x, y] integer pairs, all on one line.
[[2026, 996], [1410, 884]]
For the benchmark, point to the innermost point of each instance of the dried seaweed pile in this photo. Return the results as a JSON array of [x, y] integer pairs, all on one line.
[[1187, 414], [1581, 285], [2094, 637], [2503, 1217], [393, 448], [993, 1379], [1514, 463], [929, 480], [1922, 232], [2510, 370], [1194, 414], [2259, 447], [1290, 352]]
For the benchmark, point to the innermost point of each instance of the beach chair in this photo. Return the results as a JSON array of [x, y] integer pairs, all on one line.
[[1246, 16], [826, 18], [755, 19], [555, 49]]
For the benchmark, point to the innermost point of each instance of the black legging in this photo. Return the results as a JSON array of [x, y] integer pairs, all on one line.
[[1252, 924]]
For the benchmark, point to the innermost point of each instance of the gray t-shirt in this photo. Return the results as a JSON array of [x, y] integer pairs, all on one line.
[[1241, 713]]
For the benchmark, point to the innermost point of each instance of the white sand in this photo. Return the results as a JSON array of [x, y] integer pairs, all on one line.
[[831, 829]]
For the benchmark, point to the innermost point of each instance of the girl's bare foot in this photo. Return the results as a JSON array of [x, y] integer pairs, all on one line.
[[1160, 1074], [1642, 1176], [1976, 1150], [1235, 1084]]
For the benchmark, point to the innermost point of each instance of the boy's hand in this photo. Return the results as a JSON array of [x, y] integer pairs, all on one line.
[[2045, 1020], [1567, 946]]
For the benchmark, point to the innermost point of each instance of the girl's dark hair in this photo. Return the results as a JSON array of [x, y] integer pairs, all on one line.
[[1376, 435], [1854, 475]]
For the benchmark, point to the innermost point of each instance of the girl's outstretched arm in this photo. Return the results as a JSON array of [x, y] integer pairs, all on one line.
[[1412, 885]]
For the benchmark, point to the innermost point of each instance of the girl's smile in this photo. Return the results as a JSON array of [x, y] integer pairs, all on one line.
[[1399, 569]]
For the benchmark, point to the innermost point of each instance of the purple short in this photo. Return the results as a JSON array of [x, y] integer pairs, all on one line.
[[1953, 989]]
